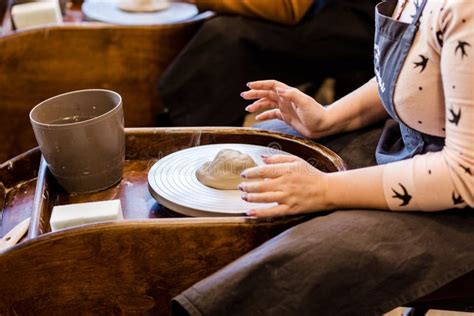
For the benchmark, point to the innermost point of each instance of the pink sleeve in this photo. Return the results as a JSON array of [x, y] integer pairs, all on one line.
[[444, 180]]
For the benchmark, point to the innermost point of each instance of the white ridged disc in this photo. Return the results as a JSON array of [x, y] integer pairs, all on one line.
[[173, 183], [108, 11]]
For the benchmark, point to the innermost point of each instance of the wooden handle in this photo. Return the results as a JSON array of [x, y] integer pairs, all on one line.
[[14, 235]]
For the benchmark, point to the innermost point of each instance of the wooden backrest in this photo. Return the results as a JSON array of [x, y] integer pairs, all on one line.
[[43, 62], [3, 7]]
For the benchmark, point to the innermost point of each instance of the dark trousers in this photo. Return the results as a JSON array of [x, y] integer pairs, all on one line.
[[346, 263], [351, 262], [203, 85]]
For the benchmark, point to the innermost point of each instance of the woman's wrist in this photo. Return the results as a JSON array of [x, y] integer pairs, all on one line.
[[359, 188], [330, 201], [356, 110], [323, 124]]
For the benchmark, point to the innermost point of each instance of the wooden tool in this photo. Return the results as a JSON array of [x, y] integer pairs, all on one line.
[[3, 197], [14, 235]]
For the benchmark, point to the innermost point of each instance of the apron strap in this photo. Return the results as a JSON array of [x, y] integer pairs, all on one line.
[[419, 12]]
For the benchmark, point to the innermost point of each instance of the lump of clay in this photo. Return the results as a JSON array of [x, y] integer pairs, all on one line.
[[224, 171], [143, 5]]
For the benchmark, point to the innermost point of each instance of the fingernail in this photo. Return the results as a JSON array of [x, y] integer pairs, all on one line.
[[243, 175], [281, 90], [244, 196], [240, 187], [251, 213], [248, 84], [242, 94], [264, 156], [247, 108]]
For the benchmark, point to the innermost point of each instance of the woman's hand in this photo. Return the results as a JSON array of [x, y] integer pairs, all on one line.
[[289, 104], [290, 181]]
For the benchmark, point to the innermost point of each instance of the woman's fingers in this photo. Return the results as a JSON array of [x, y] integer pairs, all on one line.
[[261, 104], [269, 115], [270, 185], [266, 85], [259, 94], [266, 171], [279, 210], [267, 197], [294, 96], [275, 159]]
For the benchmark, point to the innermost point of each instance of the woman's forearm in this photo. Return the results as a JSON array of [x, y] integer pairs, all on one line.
[[358, 188], [358, 109]]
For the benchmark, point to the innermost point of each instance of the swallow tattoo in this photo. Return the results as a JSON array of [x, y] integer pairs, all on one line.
[[462, 47], [440, 37], [456, 116], [466, 169], [422, 63], [405, 197], [457, 199]]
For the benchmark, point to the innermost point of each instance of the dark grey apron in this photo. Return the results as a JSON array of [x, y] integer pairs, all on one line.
[[393, 40]]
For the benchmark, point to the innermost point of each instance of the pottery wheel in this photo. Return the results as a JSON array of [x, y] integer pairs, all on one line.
[[108, 11], [172, 182]]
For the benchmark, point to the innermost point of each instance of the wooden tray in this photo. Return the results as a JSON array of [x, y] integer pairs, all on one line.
[[143, 148], [137, 265]]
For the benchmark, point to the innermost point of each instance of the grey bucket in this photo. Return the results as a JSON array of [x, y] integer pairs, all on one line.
[[81, 136]]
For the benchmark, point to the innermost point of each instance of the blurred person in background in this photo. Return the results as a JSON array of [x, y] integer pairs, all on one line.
[[295, 41]]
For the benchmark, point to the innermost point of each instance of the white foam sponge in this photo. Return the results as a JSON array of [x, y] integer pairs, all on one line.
[[70, 215], [36, 13]]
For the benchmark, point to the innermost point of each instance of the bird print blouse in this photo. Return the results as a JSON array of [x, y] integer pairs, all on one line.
[[435, 95]]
